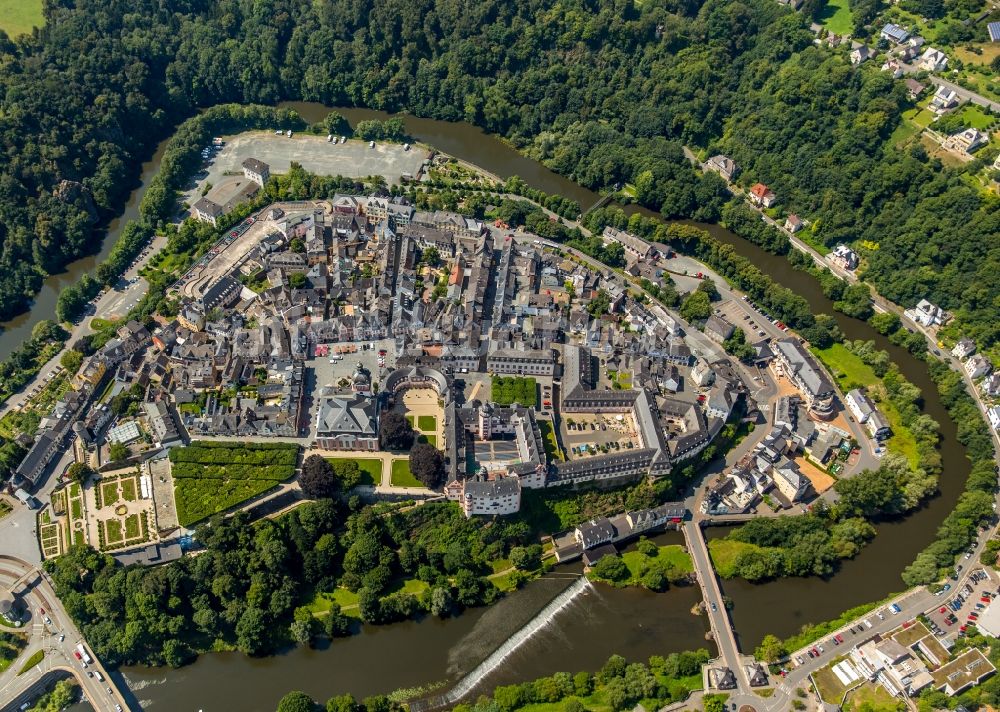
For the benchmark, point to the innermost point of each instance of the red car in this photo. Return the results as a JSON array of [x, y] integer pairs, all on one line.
[[942, 610], [76, 654], [840, 638], [963, 628]]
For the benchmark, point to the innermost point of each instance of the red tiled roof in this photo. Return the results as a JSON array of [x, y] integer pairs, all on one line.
[[760, 190]]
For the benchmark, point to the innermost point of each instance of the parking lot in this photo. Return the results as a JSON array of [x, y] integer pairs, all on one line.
[[742, 314], [961, 608], [585, 434], [353, 159]]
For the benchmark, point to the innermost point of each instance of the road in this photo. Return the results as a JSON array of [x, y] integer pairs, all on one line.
[[113, 304], [58, 639]]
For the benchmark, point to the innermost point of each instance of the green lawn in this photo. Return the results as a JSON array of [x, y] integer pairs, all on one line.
[[907, 129], [113, 531], [973, 115], [836, 17], [132, 526], [401, 475], [831, 689], [427, 423], [109, 493], [19, 16], [429, 439], [871, 697], [549, 438], [129, 490], [724, 553], [672, 559], [322, 602], [371, 471], [32, 661]]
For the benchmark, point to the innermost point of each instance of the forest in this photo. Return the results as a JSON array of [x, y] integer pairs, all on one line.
[[251, 585], [605, 91]]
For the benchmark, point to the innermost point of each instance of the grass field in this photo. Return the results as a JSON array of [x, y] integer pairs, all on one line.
[[429, 439], [836, 17], [19, 16], [724, 553], [907, 128], [973, 115], [129, 489], [988, 51], [427, 423], [672, 558], [872, 698], [371, 471], [401, 475]]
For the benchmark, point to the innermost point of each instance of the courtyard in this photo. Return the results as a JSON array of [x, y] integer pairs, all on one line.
[[422, 408]]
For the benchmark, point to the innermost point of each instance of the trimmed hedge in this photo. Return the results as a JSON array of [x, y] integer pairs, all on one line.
[[210, 476]]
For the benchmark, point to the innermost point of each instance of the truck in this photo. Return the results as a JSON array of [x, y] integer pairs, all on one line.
[[84, 655]]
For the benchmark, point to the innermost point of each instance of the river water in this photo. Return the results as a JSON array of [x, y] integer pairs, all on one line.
[[605, 621]]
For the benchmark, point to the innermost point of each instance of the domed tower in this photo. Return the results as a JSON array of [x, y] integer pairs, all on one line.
[[361, 381]]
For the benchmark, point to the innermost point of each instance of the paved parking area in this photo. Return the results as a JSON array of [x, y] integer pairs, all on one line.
[[742, 315], [577, 432], [353, 159], [956, 607]]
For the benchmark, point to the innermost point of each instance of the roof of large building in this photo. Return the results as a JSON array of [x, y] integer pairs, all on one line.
[[256, 166], [803, 366], [342, 414]]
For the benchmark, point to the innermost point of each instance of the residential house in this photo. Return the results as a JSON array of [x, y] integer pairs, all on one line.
[[844, 257], [991, 385], [914, 88], [893, 67], [943, 100], [724, 166], [966, 141], [803, 371], [933, 60], [993, 414], [595, 532], [718, 329], [862, 54], [791, 483], [927, 314], [793, 223], [761, 195], [978, 366], [635, 247], [894, 33], [964, 348]]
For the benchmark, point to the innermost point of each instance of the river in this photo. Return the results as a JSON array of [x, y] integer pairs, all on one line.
[[631, 622]]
